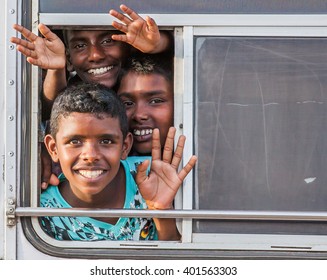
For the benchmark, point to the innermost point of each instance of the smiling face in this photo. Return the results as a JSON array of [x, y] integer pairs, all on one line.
[[95, 56], [149, 104], [89, 150]]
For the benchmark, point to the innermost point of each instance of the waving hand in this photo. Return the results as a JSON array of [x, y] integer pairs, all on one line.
[[47, 52], [142, 34], [160, 186]]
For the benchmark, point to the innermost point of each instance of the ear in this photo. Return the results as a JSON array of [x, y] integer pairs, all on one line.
[[50, 144], [69, 65], [127, 145]]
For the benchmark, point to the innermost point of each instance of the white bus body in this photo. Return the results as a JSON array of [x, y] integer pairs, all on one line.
[[250, 90]]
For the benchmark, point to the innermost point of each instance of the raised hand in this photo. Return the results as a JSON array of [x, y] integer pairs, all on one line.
[[142, 34], [47, 52], [160, 186]]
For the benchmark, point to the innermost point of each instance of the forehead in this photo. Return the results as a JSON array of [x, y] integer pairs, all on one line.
[[134, 83], [89, 124], [88, 34]]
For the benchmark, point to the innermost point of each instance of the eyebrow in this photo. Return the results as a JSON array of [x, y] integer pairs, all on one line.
[[146, 94], [85, 38], [105, 135]]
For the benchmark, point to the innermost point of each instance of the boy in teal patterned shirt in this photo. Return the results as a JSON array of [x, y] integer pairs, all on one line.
[[90, 139]]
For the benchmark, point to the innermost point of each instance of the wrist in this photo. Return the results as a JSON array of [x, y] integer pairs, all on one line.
[[160, 207]]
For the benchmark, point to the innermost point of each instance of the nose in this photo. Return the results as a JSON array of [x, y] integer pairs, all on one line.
[[96, 53], [140, 112], [90, 152]]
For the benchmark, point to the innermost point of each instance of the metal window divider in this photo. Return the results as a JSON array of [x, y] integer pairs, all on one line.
[[184, 214]]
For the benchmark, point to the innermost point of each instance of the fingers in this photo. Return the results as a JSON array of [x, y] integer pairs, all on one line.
[[129, 11], [120, 17], [141, 172], [47, 33], [23, 43], [123, 18], [177, 158], [120, 27], [187, 168], [156, 146], [26, 51], [25, 47], [25, 32], [54, 180], [119, 37], [169, 145], [46, 167], [153, 27]]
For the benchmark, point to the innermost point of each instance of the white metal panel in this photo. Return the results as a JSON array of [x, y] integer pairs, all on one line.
[[188, 127], [10, 120], [2, 118], [36, 86], [191, 20]]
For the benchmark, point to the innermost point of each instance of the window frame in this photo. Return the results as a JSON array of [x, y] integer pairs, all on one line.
[[186, 27]]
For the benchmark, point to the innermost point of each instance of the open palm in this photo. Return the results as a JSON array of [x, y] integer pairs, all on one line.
[[47, 52], [142, 34], [160, 186]]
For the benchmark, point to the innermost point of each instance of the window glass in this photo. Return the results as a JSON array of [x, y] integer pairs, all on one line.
[[261, 128]]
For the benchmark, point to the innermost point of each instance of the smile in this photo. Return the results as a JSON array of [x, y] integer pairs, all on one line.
[[90, 174], [100, 71], [138, 132]]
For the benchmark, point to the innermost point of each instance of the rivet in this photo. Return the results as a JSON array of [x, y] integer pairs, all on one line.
[[11, 118], [180, 125], [11, 47], [11, 153], [11, 82], [12, 11]]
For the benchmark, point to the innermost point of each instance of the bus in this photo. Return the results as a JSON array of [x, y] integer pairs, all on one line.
[[250, 82]]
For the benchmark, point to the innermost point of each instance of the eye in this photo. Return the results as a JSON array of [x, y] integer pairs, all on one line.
[[128, 103], [106, 141], [107, 41], [75, 142], [79, 46], [156, 101]]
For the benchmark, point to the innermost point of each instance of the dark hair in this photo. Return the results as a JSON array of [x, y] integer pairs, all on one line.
[[145, 64], [88, 98]]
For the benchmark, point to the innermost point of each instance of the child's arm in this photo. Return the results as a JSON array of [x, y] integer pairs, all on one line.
[[54, 82], [142, 34], [160, 186]]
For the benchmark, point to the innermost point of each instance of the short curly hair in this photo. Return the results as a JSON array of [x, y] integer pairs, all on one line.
[[146, 64], [88, 98]]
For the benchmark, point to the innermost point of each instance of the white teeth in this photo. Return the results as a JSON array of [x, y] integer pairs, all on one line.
[[138, 132], [90, 173], [99, 71]]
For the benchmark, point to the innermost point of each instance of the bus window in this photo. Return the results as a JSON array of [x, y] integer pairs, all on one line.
[[260, 114], [249, 89]]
